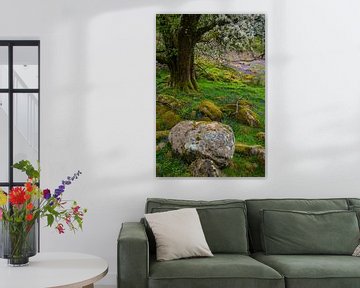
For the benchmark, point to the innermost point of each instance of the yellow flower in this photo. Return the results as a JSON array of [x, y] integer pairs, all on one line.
[[3, 198]]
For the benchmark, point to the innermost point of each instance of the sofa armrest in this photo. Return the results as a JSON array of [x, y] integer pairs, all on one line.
[[133, 256]]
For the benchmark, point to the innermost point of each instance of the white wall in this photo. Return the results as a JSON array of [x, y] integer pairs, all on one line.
[[98, 105]]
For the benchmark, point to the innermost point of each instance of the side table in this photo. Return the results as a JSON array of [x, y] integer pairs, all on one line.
[[50, 270]]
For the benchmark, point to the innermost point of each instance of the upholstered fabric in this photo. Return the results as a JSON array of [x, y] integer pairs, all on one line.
[[315, 271], [254, 216], [356, 209], [223, 221], [357, 251], [222, 270], [133, 256], [178, 234], [353, 201], [296, 232]]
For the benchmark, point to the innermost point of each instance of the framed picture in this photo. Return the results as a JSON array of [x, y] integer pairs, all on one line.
[[210, 95]]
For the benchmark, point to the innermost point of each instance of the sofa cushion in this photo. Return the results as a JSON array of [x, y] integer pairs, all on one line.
[[178, 234], [353, 201], [254, 207], [222, 270], [297, 232], [223, 221], [356, 209], [313, 271]]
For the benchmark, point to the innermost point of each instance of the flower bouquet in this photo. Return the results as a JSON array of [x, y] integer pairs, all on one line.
[[21, 208]]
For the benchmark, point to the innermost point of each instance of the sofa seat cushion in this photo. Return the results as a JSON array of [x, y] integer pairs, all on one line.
[[222, 270], [313, 271]]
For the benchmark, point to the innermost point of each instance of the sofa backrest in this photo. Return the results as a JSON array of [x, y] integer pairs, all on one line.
[[223, 221], [353, 202], [256, 205]]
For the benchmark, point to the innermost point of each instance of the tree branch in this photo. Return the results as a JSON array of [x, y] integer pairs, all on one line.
[[204, 29]]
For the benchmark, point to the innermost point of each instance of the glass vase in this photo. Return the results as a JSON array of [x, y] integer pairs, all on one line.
[[18, 242]]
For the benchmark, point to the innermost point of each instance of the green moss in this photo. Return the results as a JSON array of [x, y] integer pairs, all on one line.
[[261, 136], [161, 109], [209, 109], [246, 116], [170, 101], [245, 149], [167, 120], [204, 119], [215, 72], [162, 134]]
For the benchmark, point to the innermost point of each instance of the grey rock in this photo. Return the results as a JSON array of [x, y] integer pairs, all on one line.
[[204, 168], [206, 140]]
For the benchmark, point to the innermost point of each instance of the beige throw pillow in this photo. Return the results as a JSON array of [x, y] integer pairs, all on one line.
[[178, 234], [357, 251]]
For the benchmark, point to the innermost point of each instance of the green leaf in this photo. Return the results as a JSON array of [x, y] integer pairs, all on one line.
[[52, 211], [50, 219], [26, 167]]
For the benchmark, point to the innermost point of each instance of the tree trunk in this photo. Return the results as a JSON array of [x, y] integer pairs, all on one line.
[[183, 77], [192, 72]]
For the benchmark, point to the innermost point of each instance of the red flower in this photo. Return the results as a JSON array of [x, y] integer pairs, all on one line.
[[29, 217], [75, 209], [29, 206], [17, 196], [29, 187], [68, 219], [27, 196], [60, 228]]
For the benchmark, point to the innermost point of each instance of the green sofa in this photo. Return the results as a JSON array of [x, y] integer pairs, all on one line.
[[233, 230]]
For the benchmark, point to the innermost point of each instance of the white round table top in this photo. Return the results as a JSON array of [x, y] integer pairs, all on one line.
[[46, 270]]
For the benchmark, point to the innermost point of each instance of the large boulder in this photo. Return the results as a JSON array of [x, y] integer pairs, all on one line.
[[204, 168], [206, 140]]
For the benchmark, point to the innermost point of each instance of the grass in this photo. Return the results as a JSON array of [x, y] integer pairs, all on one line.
[[221, 91], [169, 166]]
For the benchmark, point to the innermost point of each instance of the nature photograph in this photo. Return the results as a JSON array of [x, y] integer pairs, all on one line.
[[210, 95]]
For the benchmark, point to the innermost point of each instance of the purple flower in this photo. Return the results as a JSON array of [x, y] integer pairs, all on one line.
[[64, 183], [46, 194], [58, 192]]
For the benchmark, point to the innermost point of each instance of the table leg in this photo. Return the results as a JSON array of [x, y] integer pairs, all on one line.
[[89, 286]]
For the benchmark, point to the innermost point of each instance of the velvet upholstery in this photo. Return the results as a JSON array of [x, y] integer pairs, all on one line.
[[223, 221], [315, 271], [254, 216], [133, 256], [294, 232], [222, 270], [353, 201]]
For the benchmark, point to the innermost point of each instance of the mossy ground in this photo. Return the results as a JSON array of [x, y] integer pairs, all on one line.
[[221, 85]]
